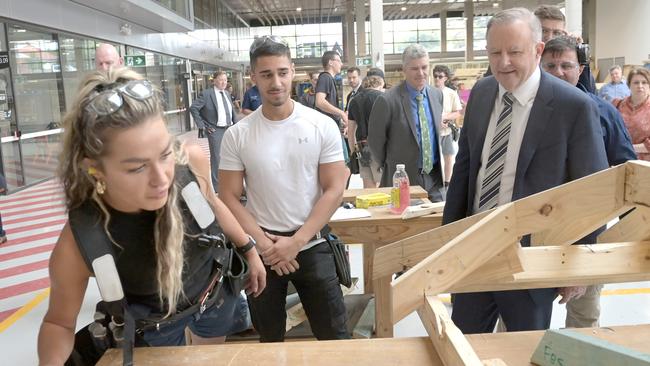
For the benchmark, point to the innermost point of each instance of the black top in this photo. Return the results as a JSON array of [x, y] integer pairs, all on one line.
[[327, 85], [135, 254], [360, 108]]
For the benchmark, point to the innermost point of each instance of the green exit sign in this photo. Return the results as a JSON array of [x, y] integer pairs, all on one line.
[[364, 61], [134, 61]]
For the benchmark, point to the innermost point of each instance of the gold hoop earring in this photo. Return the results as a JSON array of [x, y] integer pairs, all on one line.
[[100, 187]]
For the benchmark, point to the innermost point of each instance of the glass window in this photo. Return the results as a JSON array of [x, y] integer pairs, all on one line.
[[480, 28], [180, 7], [429, 23], [284, 30], [77, 58], [405, 25], [455, 34], [309, 29], [408, 36], [39, 98], [308, 46]]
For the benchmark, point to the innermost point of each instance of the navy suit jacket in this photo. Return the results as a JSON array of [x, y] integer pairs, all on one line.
[[563, 141]]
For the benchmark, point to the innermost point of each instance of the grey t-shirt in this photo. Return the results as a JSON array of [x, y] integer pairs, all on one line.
[[326, 85]]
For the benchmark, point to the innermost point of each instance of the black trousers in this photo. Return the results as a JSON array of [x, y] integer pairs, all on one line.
[[477, 312], [318, 287]]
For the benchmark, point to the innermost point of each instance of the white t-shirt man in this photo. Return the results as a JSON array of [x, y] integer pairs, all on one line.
[[280, 160]]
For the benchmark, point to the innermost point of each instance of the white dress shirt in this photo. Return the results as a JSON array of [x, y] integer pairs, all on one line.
[[524, 96], [221, 109]]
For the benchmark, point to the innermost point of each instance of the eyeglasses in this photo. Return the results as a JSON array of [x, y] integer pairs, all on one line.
[[262, 40], [439, 76], [110, 99], [565, 66]]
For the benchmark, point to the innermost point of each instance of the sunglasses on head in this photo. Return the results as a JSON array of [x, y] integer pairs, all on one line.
[[109, 99], [262, 40]]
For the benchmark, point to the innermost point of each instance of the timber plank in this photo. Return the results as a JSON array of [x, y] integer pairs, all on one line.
[[452, 347], [454, 261]]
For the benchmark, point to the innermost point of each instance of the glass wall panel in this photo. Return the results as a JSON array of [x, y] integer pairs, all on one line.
[[480, 28], [455, 34], [180, 7], [77, 59], [39, 96], [11, 162], [166, 73]]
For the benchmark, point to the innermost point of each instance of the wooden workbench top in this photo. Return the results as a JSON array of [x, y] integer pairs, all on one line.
[[514, 348]]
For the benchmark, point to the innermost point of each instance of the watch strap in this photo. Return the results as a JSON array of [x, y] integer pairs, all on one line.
[[246, 247]]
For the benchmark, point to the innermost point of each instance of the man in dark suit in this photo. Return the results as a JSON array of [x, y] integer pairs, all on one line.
[[525, 131], [213, 112], [405, 123]]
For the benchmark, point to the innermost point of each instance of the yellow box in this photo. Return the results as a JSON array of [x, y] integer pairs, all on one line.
[[372, 199]]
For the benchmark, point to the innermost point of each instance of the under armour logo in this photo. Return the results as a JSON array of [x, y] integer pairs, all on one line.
[[302, 140]]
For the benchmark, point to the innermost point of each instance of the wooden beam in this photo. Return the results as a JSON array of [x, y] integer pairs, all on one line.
[[501, 267], [408, 252], [452, 347], [585, 203], [422, 210], [637, 182], [454, 261], [568, 347], [634, 226], [558, 266]]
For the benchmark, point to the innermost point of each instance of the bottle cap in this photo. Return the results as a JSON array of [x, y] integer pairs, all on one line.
[[401, 166]]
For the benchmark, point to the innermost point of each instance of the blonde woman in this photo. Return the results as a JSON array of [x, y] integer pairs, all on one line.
[[119, 158]]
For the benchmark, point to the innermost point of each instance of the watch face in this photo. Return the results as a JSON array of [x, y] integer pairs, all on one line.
[[252, 240]]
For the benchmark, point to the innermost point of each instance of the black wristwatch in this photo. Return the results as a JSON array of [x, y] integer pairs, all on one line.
[[248, 246]]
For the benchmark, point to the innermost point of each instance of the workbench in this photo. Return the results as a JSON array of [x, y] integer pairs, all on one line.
[[514, 348]]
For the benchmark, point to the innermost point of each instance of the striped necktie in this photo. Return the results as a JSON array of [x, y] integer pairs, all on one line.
[[427, 161], [496, 160]]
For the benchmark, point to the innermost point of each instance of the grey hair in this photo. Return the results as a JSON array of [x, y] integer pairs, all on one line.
[[615, 67], [413, 52], [509, 16]]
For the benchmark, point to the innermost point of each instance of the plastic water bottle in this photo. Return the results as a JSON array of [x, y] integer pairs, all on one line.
[[400, 195]]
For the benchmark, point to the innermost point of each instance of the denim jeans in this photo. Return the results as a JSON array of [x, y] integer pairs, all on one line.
[[320, 293], [221, 319]]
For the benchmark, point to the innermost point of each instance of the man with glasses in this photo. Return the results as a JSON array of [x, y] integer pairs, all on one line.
[[451, 108], [560, 58], [326, 97], [291, 158], [214, 112], [404, 127], [554, 25], [327, 100]]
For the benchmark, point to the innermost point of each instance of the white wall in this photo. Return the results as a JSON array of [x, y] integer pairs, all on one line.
[[622, 29]]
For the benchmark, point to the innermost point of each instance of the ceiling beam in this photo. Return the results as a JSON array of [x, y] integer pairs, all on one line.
[[260, 16]]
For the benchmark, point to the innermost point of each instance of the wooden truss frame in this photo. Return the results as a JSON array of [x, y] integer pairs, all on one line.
[[482, 252]]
